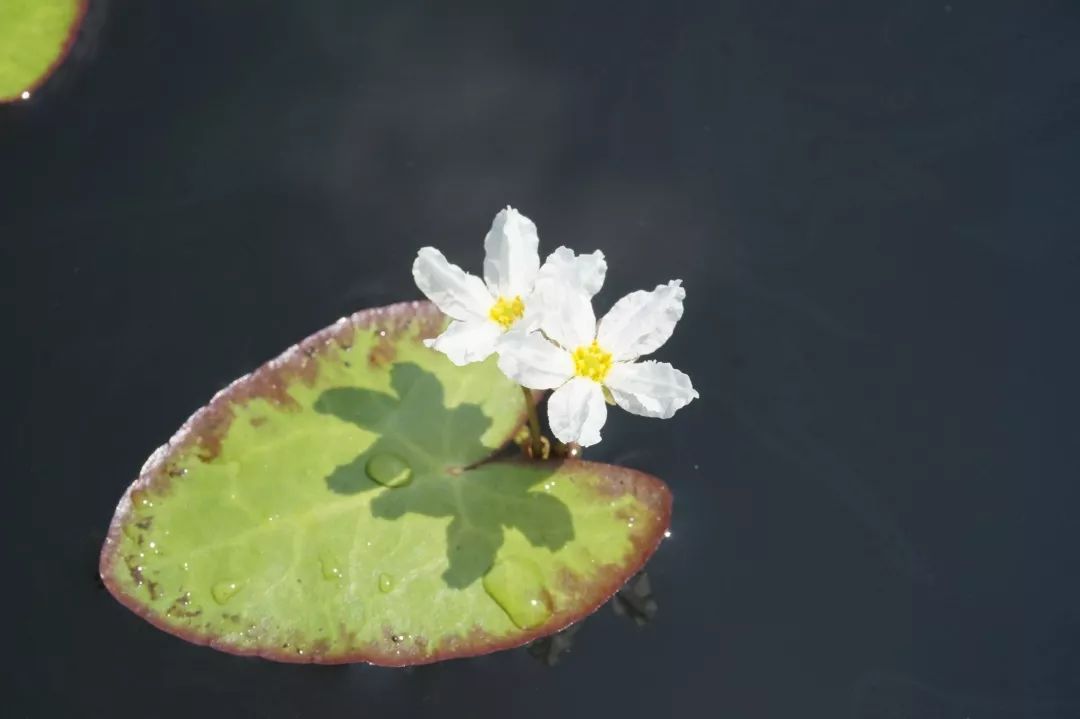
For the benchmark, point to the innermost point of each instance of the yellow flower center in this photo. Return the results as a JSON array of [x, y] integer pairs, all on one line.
[[592, 361], [507, 312]]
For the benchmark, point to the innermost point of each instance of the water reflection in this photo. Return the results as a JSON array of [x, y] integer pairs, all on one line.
[[635, 601]]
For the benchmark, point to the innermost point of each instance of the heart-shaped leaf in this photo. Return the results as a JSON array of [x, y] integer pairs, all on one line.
[[35, 35], [334, 506]]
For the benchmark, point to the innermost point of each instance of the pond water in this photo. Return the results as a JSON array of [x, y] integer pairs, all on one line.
[[871, 205]]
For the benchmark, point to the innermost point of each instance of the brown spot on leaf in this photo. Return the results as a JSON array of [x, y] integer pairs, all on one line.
[[382, 352], [347, 638], [459, 643], [135, 569], [180, 607], [570, 583], [141, 500]]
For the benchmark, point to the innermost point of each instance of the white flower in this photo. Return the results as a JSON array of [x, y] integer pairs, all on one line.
[[586, 362], [483, 310]]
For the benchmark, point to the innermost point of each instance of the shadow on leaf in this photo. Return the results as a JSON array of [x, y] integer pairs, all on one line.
[[436, 441]]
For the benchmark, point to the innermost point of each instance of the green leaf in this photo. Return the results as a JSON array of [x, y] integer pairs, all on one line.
[[336, 506], [35, 35]]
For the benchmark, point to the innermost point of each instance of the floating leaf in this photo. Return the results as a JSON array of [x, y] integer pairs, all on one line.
[[335, 506], [35, 36]]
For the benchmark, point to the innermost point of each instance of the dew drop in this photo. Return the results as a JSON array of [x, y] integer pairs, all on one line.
[[224, 591], [389, 470], [516, 585], [331, 567], [667, 534], [386, 583]]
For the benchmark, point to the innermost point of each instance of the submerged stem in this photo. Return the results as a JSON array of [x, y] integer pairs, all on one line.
[[536, 439]]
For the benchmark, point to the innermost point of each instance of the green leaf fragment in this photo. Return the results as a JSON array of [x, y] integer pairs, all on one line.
[[34, 37], [330, 507]]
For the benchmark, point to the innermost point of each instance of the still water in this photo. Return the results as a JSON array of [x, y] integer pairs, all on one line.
[[870, 205]]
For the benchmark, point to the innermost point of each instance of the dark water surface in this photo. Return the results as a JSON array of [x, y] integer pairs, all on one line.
[[873, 205]]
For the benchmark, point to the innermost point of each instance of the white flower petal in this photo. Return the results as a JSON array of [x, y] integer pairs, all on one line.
[[530, 319], [585, 272], [565, 314], [532, 361], [512, 256], [468, 341], [577, 411], [650, 389], [455, 292], [642, 321]]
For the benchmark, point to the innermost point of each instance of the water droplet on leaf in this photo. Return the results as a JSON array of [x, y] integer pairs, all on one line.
[[224, 591], [331, 567], [516, 585], [389, 470], [386, 583]]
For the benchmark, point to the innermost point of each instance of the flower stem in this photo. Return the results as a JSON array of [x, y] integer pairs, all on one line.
[[535, 437]]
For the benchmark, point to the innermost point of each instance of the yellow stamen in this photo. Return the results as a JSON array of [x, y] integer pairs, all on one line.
[[507, 312], [592, 361]]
